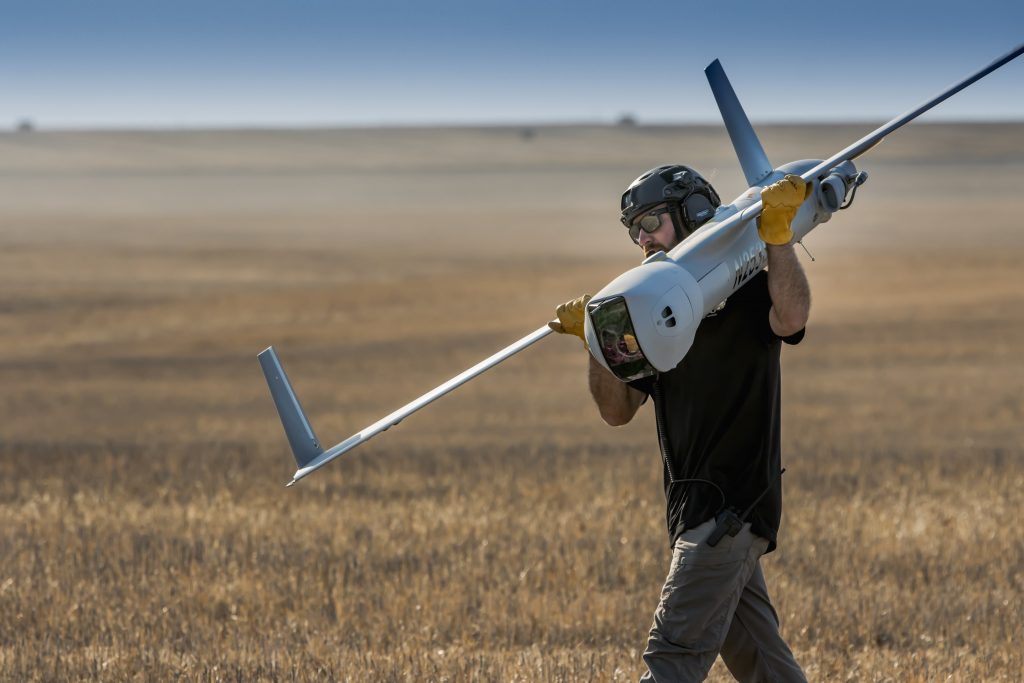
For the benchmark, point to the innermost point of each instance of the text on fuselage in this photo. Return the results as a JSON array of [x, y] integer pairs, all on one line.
[[749, 263]]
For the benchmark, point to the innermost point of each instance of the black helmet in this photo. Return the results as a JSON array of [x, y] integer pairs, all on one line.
[[692, 199]]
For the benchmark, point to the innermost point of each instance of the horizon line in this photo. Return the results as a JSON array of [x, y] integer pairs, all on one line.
[[27, 126]]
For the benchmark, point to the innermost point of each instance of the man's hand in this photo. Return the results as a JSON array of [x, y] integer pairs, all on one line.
[[781, 201], [571, 315]]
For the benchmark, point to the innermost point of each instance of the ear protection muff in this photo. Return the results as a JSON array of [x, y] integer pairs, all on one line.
[[697, 210]]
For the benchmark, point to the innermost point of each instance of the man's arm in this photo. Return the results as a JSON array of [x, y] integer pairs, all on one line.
[[616, 401], [787, 284], [789, 290]]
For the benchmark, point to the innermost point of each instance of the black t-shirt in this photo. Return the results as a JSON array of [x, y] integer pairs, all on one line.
[[719, 409]]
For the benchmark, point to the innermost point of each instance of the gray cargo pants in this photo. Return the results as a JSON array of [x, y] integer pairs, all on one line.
[[715, 602]]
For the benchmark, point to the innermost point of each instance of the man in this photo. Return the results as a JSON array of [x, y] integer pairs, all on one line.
[[718, 427]]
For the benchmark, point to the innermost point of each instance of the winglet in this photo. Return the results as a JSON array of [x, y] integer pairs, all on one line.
[[753, 160], [305, 445]]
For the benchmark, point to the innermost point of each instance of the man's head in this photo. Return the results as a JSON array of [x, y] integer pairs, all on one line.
[[665, 204]]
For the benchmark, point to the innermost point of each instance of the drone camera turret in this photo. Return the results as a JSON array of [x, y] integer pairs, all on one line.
[[644, 321]]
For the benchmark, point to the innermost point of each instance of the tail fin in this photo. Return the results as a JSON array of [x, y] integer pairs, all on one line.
[[748, 148], [305, 445]]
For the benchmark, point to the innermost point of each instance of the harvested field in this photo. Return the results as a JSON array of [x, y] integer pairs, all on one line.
[[505, 533]]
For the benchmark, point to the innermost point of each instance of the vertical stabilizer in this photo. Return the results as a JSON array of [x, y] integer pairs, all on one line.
[[303, 441], [752, 158]]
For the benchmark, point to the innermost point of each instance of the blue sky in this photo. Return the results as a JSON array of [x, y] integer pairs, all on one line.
[[151, 63]]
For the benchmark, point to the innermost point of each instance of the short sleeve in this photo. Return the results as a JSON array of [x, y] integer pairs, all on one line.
[[759, 304], [792, 339], [644, 385]]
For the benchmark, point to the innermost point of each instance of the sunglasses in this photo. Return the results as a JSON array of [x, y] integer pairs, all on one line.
[[649, 222]]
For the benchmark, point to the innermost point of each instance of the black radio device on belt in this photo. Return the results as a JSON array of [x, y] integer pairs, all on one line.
[[729, 522]]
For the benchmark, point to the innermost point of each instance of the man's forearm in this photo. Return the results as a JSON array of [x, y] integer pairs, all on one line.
[[789, 290], [616, 400]]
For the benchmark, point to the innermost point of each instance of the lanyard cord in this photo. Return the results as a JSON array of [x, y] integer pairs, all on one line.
[[659, 418]]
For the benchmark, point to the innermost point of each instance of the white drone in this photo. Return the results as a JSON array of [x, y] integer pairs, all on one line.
[[645, 320]]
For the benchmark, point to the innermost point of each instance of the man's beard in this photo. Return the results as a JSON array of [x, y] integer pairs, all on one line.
[[652, 248]]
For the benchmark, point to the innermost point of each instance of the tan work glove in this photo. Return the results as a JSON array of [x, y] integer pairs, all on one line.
[[571, 315], [781, 201]]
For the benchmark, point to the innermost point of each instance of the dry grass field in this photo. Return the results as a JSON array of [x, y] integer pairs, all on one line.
[[505, 533]]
